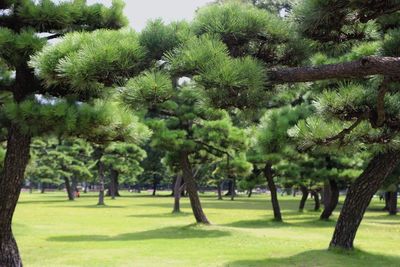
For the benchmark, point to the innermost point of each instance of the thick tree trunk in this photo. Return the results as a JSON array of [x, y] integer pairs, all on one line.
[[304, 191], [359, 196], [69, 189], [191, 188], [268, 173], [219, 190], [393, 203], [15, 162], [317, 205], [330, 200], [101, 183], [250, 192], [177, 194], [113, 188], [387, 197]]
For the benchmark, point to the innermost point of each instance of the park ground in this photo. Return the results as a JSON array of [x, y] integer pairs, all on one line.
[[139, 230]]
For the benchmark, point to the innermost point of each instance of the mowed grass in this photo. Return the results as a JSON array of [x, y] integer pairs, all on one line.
[[139, 230]]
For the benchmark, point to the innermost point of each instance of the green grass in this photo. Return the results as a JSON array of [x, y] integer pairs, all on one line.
[[139, 230]]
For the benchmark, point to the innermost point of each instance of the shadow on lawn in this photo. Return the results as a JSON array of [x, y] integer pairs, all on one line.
[[162, 215], [265, 223], [324, 258], [173, 232]]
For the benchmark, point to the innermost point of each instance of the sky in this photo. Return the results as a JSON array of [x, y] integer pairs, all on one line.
[[140, 11]]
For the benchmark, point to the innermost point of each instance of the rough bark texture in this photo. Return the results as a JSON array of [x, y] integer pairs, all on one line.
[[101, 183], [69, 189], [268, 173], [191, 188], [359, 196], [366, 66], [17, 157], [177, 194], [330, 200], [304, 191]]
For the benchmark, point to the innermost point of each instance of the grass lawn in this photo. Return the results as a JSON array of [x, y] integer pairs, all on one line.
[[139, 230]]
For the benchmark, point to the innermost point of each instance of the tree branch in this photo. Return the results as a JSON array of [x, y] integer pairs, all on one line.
[[389, 66], [380, 104]]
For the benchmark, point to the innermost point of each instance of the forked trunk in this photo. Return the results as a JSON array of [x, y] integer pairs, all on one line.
[[268, 173], [101, 182], [191, 188], [304, 191], [330, 200], [16, 159], [68, 188], [359, 196], [177, 194]]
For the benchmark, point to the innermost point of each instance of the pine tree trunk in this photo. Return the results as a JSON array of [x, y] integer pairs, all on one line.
[[250, 192], [393, 203], [359, 196], [268, 173], [70, 191], [177, 194], [154, 188], [191, 188], [219, 190], [113, 183], [11, 178], [317, 205], [331, 200], [233, 189], [387, 197], [304, 191], [101, 182]]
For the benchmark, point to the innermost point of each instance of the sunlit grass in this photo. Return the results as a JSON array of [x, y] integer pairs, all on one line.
[[139, 230]]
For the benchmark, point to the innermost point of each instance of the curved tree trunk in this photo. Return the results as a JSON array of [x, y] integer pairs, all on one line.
[[68, 188], [191, 188], [101, 182], [359, 196], [268, 173], [304, 191], [330, 200], [177, 194], [317, 205], [15, 162], [393, 203]]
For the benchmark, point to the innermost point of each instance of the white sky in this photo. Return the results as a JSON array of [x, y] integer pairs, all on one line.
[[140, 11]]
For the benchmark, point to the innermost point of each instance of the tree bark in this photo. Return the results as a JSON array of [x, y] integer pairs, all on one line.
[[15, 162], [229, 188], [113, 188], [101, 182], [268, 173], [219, 190], [69, 189], [191, 188], [250, 192], [154, 188], [393, 203], [233, 189], [317, 205], [366, 66], [304, 191], [331, 200], [177, 194], [359, 196]]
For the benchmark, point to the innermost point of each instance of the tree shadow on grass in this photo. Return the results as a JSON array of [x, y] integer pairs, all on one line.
[[270, 223], [173, 232], [93, 206], [162, 215], [324, 258]]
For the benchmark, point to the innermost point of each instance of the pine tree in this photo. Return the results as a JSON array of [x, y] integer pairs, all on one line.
[[25, 27]]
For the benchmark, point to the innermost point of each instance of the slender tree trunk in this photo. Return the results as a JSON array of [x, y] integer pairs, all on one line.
[[250, 192], [229, 188], [11, 178], [393, 203], [154, 188], [101, 182], [359, 196], [219, 190], [191, 188], [233, 189], [317, 205], [331, 200], [42, 188], [70, 191], [268, 173], [177, 194], [387, 197], [304, 191]]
